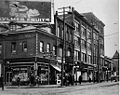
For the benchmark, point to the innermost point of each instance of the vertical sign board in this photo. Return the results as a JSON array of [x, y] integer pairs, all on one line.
[[26, 11]]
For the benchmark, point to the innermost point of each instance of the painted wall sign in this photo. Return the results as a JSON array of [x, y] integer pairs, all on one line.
[[25, 11]]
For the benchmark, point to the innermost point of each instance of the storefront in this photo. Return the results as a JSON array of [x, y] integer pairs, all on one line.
[[47, 72]]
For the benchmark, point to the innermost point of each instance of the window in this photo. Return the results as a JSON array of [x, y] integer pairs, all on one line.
[[68, 53], [76, 55], [70, 36], [83, 43], [83, 57], [89, 59], [83, 31], [58, 31], [24, 46], [48, 47], [41, 46], [76, 26], [13, 27], [54, 50], [60, 52], [0, 48], [88, 35], [89, 46], [76, 40], [13, 47], [67, 35]]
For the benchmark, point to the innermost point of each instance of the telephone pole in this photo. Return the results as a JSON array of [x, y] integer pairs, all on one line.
[[63, 43]]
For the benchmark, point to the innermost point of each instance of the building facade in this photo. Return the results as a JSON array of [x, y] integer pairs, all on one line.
[[73, 45], [115, 59], [27, 51], [108, 68], [88, 46]]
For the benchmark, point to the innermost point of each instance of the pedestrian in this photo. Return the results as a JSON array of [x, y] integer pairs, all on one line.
[[32, 80], [2, 82], [18, 81], [80, 79], [94, 80], [37, 80], [89, 80]]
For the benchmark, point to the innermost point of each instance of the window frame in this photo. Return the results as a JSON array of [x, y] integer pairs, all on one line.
[[41, 46]]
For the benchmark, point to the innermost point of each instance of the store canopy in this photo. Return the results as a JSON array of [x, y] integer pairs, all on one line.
[[84, 64], [56, 67]]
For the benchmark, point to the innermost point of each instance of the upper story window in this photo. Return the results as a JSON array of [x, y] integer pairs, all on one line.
[[58, 31], [67, 35], [76, 40], [68, 53], [13, 27], [54, 50], [76, 54], [24, 46], [88, 34], [48, 47], [83, 43], [60, 52], [13, 47], [0, 48], [70, 36], [41, 46], [83, 31], [76, 26]]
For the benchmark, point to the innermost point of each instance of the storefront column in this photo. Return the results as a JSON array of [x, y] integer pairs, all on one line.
[[48, 73], [35, 68]]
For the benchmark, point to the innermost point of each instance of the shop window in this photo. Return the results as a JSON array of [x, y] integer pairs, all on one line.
[[13, 47]]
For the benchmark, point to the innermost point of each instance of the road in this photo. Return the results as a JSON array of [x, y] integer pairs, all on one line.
[[105, 88]]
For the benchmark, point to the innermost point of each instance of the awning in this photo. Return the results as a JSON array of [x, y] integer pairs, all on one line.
[[56, 67], [85, 65]]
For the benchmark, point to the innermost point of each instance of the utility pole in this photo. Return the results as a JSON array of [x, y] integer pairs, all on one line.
[[63, 43], [98, 59]]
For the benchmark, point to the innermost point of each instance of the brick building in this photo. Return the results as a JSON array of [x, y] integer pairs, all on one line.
[[88, 45], [28, 50]]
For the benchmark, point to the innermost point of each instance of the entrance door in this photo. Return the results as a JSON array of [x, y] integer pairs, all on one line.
[[8, 77]]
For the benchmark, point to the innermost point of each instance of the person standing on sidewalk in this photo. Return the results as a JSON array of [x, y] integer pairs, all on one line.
[[18, 81], [80, 79], [2, 82]]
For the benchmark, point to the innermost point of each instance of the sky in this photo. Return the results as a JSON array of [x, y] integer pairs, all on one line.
[[107, 11]]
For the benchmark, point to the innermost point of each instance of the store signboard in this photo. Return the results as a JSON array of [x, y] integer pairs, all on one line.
[[26, 11]]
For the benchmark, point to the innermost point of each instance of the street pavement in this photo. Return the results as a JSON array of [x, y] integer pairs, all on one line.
[[104, 88]]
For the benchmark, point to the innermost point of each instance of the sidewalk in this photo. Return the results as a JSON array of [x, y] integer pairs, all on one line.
[[52, 86]]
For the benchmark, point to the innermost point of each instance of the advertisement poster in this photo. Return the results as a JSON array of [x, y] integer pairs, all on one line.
[[25, 11]]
